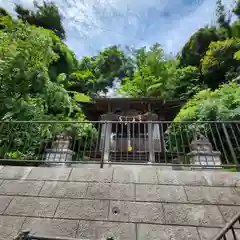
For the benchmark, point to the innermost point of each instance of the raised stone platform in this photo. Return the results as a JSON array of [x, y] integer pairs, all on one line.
[[121, 202]]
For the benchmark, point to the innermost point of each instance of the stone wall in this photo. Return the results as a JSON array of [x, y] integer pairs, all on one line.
[[120, 202]]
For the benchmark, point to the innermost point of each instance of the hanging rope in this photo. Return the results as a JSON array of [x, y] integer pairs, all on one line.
[[130, 118], [129, 139], [128, 128]]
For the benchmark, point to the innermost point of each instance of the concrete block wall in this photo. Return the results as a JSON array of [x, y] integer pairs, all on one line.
[[121, 202]]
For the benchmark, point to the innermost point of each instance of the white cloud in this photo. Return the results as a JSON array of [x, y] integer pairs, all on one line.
[[180, 32], [126, 22], [95, 24], [92, 25]]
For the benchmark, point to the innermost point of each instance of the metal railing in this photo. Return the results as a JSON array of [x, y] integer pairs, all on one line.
[[190, 144], [228, 232]]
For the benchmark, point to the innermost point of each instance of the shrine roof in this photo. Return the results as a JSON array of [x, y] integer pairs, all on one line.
[[164, 108], [140, 99]]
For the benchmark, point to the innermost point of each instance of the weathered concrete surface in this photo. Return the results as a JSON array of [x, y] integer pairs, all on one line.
[[16, 187], [140, 203], [32, 206]]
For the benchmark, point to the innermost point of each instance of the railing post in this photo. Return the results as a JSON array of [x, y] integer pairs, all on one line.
[[150, 143], [229, 144], [106, 143], [102, 142]]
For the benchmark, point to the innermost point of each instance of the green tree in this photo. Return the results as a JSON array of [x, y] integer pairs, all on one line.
[[96, 74], [46, 15], [235, 27], [4, 13], [223, 20], [185, 83], [66, 63], [223, 104], [219, 105], [221, 15], [236, 9], [27, 92], [197, 46], [153, 70], [219, 65], [26, 55]]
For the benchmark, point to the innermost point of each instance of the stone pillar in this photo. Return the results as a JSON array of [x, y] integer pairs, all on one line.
[[151, 142], [202, 154], [102, 136], [106, 133], [157, 138], [60, 151], [150, 118], [107, 141]]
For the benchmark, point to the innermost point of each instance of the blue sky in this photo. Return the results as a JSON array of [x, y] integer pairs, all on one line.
[[92, 25]]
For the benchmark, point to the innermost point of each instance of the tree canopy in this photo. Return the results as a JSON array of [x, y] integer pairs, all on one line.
[[27, 90], [46, 15], [197, 46], [219, 64], [152, 70], [221, 104]]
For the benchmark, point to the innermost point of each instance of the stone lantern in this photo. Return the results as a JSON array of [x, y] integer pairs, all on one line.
[[202, 154], [60, 151]]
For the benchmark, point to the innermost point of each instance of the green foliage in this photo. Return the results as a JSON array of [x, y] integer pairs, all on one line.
[[197, 46], [213, 50], [236, 9], [80, 97], [98, 73], [28, 93], [26, 55], [158, 76], [46, 16], [235, 29], [153, 70], [81, 81], [4, 13], [66, 63], [185, 83], [221, 104], [142, 83], [24, 64], [219, 64], [223, 19]]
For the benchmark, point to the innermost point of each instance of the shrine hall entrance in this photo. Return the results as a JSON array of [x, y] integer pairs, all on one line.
[[134, 137], [129, 137]]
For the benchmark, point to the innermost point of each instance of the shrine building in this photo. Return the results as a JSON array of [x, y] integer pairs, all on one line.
[[130, 127]]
